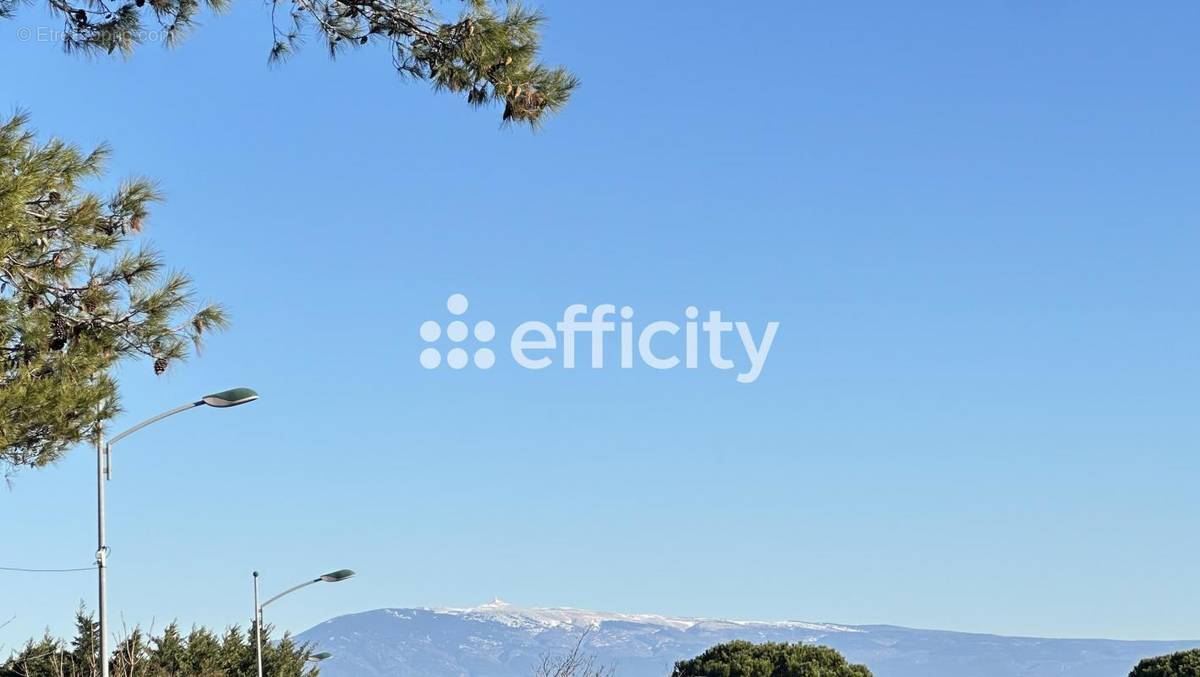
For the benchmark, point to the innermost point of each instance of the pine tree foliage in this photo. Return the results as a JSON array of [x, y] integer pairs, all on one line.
[[76, 297], [171, 654], [771, 659], [489, 54]]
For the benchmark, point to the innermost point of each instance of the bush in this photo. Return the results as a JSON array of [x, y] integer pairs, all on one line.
[[743, 659], [1182, 664]]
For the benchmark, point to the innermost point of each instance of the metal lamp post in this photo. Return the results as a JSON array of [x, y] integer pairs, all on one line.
[[331, 577], [221, 400]]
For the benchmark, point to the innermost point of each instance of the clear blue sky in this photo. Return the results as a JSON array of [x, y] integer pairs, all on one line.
[[976, 225]]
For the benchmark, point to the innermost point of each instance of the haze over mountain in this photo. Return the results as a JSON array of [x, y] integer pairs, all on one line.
[[502, 640]]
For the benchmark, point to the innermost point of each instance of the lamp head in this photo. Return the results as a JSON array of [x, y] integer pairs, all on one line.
[[320, 656], [230, 398], [335, 576]]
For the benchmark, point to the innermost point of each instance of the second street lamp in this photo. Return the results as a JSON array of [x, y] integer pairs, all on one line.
[[331, 577], [221, 400]]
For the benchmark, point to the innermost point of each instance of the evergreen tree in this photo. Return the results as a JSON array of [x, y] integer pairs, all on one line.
[[200, 654], [743, 659], [46, 657], [489, 54], [85, 648], [203, 655], [286, 658], [237, 656], [51, 657], [1182, 664], [169, 652], [75, 299]]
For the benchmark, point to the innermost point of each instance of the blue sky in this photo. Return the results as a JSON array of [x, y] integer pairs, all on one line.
[[975, 226]]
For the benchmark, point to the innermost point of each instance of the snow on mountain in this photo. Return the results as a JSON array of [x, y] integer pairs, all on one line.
[[500, 611], [498, 639]]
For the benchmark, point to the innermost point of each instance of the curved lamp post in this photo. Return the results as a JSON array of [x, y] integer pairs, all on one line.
[[331, 577], [221, 400]]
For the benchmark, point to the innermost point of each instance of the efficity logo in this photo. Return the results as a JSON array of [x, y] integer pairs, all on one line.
[[596, 331]]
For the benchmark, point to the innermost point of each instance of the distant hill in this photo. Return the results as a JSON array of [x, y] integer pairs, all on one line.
[[502, 640]]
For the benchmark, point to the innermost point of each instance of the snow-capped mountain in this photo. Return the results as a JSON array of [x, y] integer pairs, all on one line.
[[501, 640]]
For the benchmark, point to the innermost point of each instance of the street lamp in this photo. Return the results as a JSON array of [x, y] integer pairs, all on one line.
[[331, 577], [221, 400]]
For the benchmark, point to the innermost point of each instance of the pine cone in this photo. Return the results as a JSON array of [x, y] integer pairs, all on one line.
[[58, 333], [160, 365]]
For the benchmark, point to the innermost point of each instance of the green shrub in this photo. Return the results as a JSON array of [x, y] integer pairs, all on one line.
[[744, 659], [1182, 664]]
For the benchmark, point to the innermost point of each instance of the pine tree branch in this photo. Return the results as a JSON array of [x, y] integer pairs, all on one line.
[[489, 55]]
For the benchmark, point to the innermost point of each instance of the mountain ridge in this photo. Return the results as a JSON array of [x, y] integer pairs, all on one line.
[[499, 639]]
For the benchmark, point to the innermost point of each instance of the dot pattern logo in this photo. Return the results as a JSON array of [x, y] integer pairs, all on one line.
[[457, 332]]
